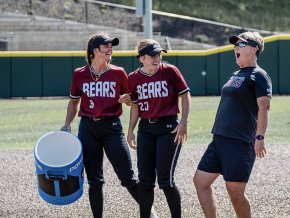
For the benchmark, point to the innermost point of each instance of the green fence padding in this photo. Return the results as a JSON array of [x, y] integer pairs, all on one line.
[[136, 63], [45, 73], [212, 75], [5, 81], [269, 62], [125, 62], [26, 76], [56, 75], [78, 62], [170, 60], [191, 69], [284, 67]]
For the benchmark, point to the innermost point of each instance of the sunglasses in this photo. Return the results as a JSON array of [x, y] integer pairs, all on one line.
[[244, 44]]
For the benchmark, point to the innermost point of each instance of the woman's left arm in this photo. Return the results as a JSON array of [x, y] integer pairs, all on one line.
[[181, 129], [263, 115]]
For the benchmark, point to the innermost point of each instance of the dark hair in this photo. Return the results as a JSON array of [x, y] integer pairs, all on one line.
[[91, 45]]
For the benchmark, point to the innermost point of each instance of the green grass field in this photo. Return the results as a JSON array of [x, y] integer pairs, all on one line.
[[23, 121]]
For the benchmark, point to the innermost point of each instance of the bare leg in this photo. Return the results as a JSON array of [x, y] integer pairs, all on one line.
[[239, 200], [203, 181]]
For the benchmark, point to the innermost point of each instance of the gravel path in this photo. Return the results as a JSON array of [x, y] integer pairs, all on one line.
[[268, 189]]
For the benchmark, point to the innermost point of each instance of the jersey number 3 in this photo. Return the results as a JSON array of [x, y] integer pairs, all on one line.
[[92, 105], [144, 106]]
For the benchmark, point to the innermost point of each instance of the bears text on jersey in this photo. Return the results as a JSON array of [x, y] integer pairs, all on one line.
[[100, 89], [152, 90]]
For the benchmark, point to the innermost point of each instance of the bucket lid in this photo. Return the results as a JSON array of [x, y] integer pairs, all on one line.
[[58, 149]]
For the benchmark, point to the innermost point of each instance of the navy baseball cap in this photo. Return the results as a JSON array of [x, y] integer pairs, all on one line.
[[151, 50]]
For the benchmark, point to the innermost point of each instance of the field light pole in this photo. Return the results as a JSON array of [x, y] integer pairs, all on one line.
[[143, 9], [147, 19]]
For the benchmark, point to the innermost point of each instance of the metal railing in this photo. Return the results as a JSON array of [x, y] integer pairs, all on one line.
[[175, 16]]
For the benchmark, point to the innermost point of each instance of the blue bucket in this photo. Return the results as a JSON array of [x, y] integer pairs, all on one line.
[[59, 167]]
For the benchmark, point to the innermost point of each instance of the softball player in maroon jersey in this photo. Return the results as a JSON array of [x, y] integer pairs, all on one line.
[[155, 89], [99, 88]]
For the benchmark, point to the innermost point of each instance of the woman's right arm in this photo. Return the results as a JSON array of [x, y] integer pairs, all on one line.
[[134, 116], [72, 109]]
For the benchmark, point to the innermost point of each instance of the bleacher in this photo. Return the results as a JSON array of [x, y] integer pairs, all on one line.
[[20, 32]]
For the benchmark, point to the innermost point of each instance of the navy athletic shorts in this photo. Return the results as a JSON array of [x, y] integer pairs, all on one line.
[[233, 158]]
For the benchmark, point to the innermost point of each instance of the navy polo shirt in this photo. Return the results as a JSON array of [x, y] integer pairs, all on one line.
[[238, 109]]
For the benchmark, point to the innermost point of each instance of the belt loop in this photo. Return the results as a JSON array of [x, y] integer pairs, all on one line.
[[97, 119]]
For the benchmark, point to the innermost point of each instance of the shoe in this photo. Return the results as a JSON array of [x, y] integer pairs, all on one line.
[[153, 213]]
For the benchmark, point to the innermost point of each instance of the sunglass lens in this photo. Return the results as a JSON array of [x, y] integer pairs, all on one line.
[[241, 44]]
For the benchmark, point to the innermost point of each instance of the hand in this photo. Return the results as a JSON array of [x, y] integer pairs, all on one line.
[[181, 133], [126, 98], [131, 140], [260, 149], [66, 128]]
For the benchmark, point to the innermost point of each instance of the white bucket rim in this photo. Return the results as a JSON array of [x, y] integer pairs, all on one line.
[[38, 159]]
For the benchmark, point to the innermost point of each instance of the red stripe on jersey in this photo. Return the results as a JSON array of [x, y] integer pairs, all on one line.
[[99, 98], [157, 94]]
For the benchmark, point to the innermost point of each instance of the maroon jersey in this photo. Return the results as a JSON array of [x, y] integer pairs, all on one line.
[[157, 94], [99, 97]]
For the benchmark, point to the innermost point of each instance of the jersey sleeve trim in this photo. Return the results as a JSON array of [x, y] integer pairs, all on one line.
[[184, 91], [74, 97]]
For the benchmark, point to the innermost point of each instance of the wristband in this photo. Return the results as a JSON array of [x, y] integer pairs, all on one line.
[[260, 137]]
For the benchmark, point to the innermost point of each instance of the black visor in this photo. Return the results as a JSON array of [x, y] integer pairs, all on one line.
[[151, 50], [233, 40]]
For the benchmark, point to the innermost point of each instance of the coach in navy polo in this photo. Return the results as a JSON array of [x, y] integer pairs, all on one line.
[[239, 128]]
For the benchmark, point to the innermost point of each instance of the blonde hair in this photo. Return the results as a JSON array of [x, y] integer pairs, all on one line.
[[254, 36]]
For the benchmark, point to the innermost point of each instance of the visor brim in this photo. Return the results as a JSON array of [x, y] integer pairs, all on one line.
[[156, 52], [234, 39], [114, 41]]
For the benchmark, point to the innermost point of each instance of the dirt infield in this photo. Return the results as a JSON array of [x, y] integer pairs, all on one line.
[[268, 189]]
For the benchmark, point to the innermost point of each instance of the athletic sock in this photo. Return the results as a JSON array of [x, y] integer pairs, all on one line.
[[96, 200], [134, 192], [174, 202], [146, 198]]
